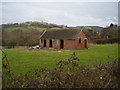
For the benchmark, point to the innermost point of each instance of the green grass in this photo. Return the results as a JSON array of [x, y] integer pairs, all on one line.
[[16, 28], [29, 28], [23, 61], [24, 28]]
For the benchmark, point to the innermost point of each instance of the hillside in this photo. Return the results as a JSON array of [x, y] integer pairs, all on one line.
[[28, 33], [43, 26], [95, 28], [27, 26]]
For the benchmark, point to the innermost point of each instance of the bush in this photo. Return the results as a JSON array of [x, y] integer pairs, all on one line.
[[66, 74], [20, 38], [104, 41]]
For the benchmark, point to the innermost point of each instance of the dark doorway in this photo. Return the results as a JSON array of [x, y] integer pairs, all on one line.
[[44, 43], [50, 43], [85, 41], [61, 44]]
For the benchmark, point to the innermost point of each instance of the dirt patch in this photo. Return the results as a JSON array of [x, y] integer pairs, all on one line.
[[56, 51], [21, 48]]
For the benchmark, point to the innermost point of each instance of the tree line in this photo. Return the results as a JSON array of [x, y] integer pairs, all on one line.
[[20, 38], [106, 35]]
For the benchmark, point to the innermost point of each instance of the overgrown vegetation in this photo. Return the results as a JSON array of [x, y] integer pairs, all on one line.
[[20, 38], [106, 35], [28, 33], [66, 74]]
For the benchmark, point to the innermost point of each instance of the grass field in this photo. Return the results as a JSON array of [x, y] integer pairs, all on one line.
[[24, 29], [23, 61]]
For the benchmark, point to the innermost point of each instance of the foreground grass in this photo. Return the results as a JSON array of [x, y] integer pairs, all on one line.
[[23, 61]]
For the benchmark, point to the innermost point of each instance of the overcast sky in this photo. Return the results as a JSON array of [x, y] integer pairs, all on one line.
[[62, 13]]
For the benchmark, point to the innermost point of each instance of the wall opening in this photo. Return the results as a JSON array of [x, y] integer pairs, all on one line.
[[41, 41], [44, 43], [61, 44], [50, 43], [85, 43], [80, 40]]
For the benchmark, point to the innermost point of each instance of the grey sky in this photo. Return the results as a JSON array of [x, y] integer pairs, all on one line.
[[63, 13]]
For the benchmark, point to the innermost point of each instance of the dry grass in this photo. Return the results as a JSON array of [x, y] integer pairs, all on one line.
[[25, 48]]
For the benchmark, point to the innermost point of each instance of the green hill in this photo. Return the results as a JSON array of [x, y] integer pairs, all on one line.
[[29, 26]]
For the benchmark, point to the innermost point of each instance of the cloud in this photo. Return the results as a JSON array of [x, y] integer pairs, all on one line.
[[60, 0], [71, 14], [74, 20]]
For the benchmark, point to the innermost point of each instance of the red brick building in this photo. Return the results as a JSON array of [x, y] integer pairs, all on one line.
[[64, 39]]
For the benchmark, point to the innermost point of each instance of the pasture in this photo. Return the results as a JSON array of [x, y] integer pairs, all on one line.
[[22, 61]]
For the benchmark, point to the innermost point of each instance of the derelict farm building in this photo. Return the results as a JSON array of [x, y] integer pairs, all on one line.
[[64, 39]]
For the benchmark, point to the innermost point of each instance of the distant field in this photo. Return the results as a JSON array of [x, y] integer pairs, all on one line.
[[23, 61], [25, 28]]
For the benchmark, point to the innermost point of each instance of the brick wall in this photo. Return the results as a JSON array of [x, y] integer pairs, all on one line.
[[68, 44], [82, 44], [47, 43]]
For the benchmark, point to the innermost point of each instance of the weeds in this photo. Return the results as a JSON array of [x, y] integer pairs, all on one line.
[[67, 74]]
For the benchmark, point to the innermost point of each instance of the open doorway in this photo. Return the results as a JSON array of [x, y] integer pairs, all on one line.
[[61, 44], [50, 43], [44, 43], [85, 43]]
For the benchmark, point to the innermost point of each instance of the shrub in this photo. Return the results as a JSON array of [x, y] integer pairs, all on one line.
[[104, 41], [66, 74]]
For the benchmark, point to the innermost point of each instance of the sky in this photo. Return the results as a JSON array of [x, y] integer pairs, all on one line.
[[61, 13]]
